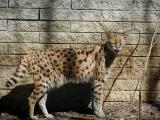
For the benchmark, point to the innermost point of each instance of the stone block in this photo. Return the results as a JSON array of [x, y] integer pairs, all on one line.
[[3, 3], [3, 73], [55, 26], [127, 96], [6, 36], [66, 37], [142, 50], [10, 71], [18, 13], [120, 96], [151, 74], [38, 26], [9, 60], [3, 13], [146, 4], [23, 48], [152, 85], [28, 48], [118, 72], [120, 62], [60, 14], [146, 38], [99, 27], [136, 73], [3, 24], [86, 38], [54, 37], [145, 16], [101, 4], [137, 62], [3, 48], [14, 25], [63, 4], [131, 84], [86, 27], [140, 62], [144, 27], [154, 62], [121, 85], [150, 96], [116, 4], [2, 83], [82, 46], [134, 38]]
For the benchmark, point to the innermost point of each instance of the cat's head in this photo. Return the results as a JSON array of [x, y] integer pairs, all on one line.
[[116, 41]]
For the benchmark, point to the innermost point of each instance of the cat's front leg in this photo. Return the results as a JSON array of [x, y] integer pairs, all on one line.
[[97, 98]]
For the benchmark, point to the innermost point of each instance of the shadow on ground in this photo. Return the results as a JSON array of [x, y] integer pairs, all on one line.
[[70, 97]]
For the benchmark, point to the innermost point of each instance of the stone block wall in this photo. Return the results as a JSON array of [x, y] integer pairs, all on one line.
[[28, 25]]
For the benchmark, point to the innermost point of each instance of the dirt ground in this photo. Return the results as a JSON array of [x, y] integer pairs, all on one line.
[[119, 111]]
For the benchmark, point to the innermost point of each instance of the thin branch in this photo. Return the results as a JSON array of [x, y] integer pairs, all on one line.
[[151, 46], [155, 43], [146, 64]]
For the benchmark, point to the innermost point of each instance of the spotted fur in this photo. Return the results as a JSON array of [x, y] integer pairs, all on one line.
[[52, 68]]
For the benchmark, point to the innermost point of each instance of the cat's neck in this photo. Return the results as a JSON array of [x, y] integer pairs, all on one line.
[[110, 55]]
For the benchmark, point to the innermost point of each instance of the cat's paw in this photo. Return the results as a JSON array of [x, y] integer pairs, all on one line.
[[34, 117], [100, 113], [49, 116]]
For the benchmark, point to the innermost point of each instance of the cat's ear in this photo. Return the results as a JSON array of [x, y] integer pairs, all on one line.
[[109, 35]]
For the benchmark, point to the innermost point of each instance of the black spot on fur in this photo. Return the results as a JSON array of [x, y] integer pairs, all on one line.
[[87, 53], [80, 61], [90, 51], [48, 70], [68, 59], [96, 56], [52, 54], [8, 84], [55, 61], [25, 66], [33, 69], [78, 52], [84, 60], [14, 80], [58, 56], [48, 55]]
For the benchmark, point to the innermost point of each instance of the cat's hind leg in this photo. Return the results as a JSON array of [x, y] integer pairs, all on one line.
[[42, 105], [35, 96]]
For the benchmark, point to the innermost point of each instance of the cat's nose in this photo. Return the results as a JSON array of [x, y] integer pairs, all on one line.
[[118, 49]]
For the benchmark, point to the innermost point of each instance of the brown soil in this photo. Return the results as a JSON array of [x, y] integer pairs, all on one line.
[[119, 111]]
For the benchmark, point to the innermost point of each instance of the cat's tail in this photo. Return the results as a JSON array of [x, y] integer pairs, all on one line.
[[19, 74]]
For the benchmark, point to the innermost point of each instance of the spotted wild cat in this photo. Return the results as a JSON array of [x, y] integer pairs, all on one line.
[[52, 68]]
